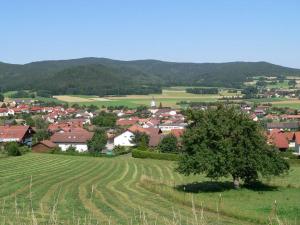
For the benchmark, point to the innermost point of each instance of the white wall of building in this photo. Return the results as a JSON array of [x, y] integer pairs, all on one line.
[[124, 139], [80, 147]]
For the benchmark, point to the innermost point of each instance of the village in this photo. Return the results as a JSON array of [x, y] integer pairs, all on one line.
[[65, 127]]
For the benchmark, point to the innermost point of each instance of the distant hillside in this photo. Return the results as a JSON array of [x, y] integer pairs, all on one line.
[[101, 76]]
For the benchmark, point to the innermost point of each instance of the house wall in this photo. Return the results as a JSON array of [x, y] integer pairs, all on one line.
[[124, 139], [80, 147]]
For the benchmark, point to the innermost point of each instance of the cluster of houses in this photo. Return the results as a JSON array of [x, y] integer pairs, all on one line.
[[73, 127]]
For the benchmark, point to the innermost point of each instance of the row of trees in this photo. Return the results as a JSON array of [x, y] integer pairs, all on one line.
[[203, 90]]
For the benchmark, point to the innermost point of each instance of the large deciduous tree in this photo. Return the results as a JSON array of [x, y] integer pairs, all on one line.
[[225, 142]]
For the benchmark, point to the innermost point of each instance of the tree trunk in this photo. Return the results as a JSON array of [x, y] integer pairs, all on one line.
[[236, 182]]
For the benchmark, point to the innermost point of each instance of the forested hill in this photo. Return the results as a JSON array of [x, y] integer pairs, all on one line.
[[101, 76]]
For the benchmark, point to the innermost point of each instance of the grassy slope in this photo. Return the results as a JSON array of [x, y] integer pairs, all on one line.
[[103, 188]]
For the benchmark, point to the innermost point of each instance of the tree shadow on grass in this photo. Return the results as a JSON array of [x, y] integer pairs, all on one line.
[[218, 186]]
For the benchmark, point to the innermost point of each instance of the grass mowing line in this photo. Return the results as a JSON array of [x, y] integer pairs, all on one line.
[[20, 170], [23, 182], [79, 171], [99, 193], [87, 202], [151, 206], [24, 198], [135, 205], [133, 181], [71, 188], [35, 183], [107, 190]]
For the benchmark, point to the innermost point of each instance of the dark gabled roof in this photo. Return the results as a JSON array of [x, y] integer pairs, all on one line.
[[283, 125]]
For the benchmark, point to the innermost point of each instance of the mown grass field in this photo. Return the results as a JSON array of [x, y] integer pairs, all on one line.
[[124, 190]]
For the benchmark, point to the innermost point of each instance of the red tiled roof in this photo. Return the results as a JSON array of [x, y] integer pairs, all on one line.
[[48, 143], [279, 139], [13, 132], [71, 137], [3, 110], [127, 122], [290, 135], [297, 137]]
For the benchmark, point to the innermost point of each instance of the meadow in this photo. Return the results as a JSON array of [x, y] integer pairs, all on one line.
[[60, 189]]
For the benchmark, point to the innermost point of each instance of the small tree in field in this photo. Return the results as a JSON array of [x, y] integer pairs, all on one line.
[[225, 142]]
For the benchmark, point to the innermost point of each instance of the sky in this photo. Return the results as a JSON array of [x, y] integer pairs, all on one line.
[[171, 30]]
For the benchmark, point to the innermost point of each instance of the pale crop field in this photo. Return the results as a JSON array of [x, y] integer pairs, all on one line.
[[38, 188]]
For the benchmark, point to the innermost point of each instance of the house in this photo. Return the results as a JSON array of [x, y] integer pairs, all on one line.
[[151, 123], [43, 146], [4, 112], [125, 138], [20, 134], [279, 139], [297, 143], [77, 139]]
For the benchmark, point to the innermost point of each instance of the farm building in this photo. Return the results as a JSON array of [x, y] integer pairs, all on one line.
[[43, 146]]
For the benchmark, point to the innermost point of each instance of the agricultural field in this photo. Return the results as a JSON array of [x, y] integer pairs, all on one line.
[[60, 189], [169, 97]]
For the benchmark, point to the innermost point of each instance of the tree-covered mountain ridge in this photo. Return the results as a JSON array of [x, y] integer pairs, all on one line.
[[102, 76]]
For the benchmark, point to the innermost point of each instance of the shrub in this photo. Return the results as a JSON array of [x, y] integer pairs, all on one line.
[[55, 150], [119, 150], [154, 155], [13, 149], [71, 149]]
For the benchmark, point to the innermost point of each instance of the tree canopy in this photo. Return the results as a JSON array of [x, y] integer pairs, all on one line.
[[224, 142], [168, 144], [105, 119], [141, 140], [98, 142]]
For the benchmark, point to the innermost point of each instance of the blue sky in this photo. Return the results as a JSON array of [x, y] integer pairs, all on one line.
[[174, 30]]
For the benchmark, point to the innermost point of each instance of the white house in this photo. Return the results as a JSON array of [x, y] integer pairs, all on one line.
[[124, 139], [75, 139], [6, 112]]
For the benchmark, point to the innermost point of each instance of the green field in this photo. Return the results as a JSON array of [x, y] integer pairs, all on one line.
[[169, 97], [124, 190]]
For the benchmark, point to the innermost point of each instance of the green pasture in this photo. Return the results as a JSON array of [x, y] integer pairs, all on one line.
[[124, 190]]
